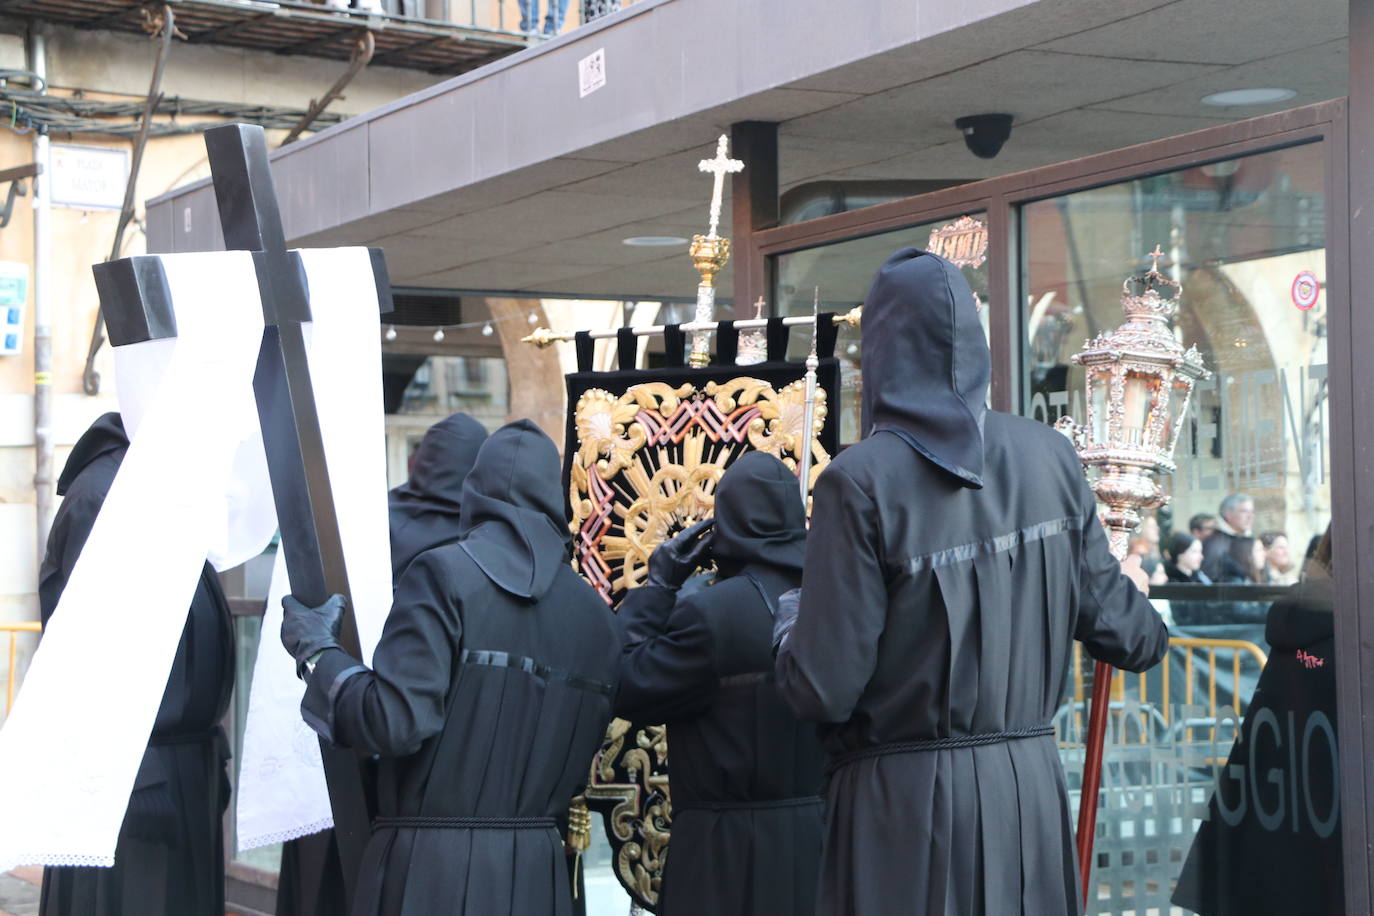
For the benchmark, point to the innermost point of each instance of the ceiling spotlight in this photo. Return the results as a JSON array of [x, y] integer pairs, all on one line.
[[390, 332], [1258, 96], [533, 319], [654, 241], [487, 329], [438, 334]]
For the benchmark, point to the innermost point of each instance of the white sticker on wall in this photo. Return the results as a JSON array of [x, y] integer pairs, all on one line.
[[591, 72]]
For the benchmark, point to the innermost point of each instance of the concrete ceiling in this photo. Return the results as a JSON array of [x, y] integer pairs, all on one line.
[[1080, 77]]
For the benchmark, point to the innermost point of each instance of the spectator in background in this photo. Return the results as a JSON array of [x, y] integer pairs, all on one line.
[[553, 22], [1202, 525], [1243, 562], [1278, 558], [1237, 515], [1145, 544], [1185, 560]]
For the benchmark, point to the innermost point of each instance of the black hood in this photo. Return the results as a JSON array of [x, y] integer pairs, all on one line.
[[105, 435], [1302, 617], [512, 521], [759, 515], [424, 511], [441, 464], [926, 363]]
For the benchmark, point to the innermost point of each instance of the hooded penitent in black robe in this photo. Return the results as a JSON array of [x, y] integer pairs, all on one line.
[[424, 513], [745, 773], [1272, 839], [489, 694], [425, 510], [954, 555], [170, 857]]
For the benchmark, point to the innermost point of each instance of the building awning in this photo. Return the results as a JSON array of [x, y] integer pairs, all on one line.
[[509, 180]]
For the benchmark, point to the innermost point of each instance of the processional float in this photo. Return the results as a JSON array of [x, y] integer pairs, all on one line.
[[1138, 381]]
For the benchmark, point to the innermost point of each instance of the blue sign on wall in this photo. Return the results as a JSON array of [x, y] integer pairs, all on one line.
[[14, 294]]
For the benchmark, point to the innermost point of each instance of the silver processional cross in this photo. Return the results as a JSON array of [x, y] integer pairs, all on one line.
[[710, 252], [719, 167]]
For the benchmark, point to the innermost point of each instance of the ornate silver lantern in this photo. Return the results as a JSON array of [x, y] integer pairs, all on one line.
[[1138, 383], [1139, 380]]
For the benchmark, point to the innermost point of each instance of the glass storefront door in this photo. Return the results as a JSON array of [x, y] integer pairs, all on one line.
[[1220, 783], [1221, 788]]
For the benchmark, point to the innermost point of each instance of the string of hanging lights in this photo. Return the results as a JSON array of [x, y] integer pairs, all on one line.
[[488, 326]]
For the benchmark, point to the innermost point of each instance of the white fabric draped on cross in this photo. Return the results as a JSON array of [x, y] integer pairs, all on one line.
[[281, 789], [192, 485]]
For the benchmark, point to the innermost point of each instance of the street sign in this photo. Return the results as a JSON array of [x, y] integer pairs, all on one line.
[[88, 177]]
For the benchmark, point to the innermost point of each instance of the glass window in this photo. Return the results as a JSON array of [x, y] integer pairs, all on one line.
[[440, 386], [1221, 761], [841, 274]]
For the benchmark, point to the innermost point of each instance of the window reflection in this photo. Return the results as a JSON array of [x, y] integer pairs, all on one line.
[[1220, 786], [842, 272], [433, 387]]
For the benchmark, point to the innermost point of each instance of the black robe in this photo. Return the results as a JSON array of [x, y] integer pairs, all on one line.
[[423, 513], [1272, 839], [488, 696], [953, 556], [169, 860], [746, 775]]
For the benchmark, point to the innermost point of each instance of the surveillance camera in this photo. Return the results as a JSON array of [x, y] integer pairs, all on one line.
[[984, 134]]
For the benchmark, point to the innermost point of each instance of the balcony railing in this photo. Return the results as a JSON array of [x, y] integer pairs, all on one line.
[[439, 36]]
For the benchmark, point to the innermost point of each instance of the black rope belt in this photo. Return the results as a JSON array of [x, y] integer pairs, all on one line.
[[936, 744], [801, 801], [465, 823]]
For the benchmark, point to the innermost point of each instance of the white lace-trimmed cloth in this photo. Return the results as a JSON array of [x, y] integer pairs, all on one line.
[[281, 788], [192, 485], [72, 744]]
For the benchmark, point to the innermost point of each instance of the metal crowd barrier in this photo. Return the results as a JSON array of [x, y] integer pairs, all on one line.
[[1169, 732]]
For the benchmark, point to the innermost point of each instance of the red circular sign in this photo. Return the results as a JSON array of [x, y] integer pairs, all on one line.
[[1306, 289]]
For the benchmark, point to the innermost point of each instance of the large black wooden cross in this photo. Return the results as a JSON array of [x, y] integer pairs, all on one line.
[[137, 306]]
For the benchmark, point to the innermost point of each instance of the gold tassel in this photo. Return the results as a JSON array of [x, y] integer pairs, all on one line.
[[579, 836]]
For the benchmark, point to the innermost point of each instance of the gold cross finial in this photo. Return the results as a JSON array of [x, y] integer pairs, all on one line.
[[759, 306], [1155, 256], [721, 165]]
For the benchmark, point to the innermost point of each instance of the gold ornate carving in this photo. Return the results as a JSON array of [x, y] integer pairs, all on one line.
[[964, 242], [648, 462], [646, 465]]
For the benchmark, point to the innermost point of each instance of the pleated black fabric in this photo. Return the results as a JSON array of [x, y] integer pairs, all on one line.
[[930, 610], [481, 704], [423, 513], [745, 773], [169, 860]]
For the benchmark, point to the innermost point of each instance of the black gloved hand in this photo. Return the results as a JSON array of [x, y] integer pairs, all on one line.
[[672, 562], [789, 605], [306, 631]]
